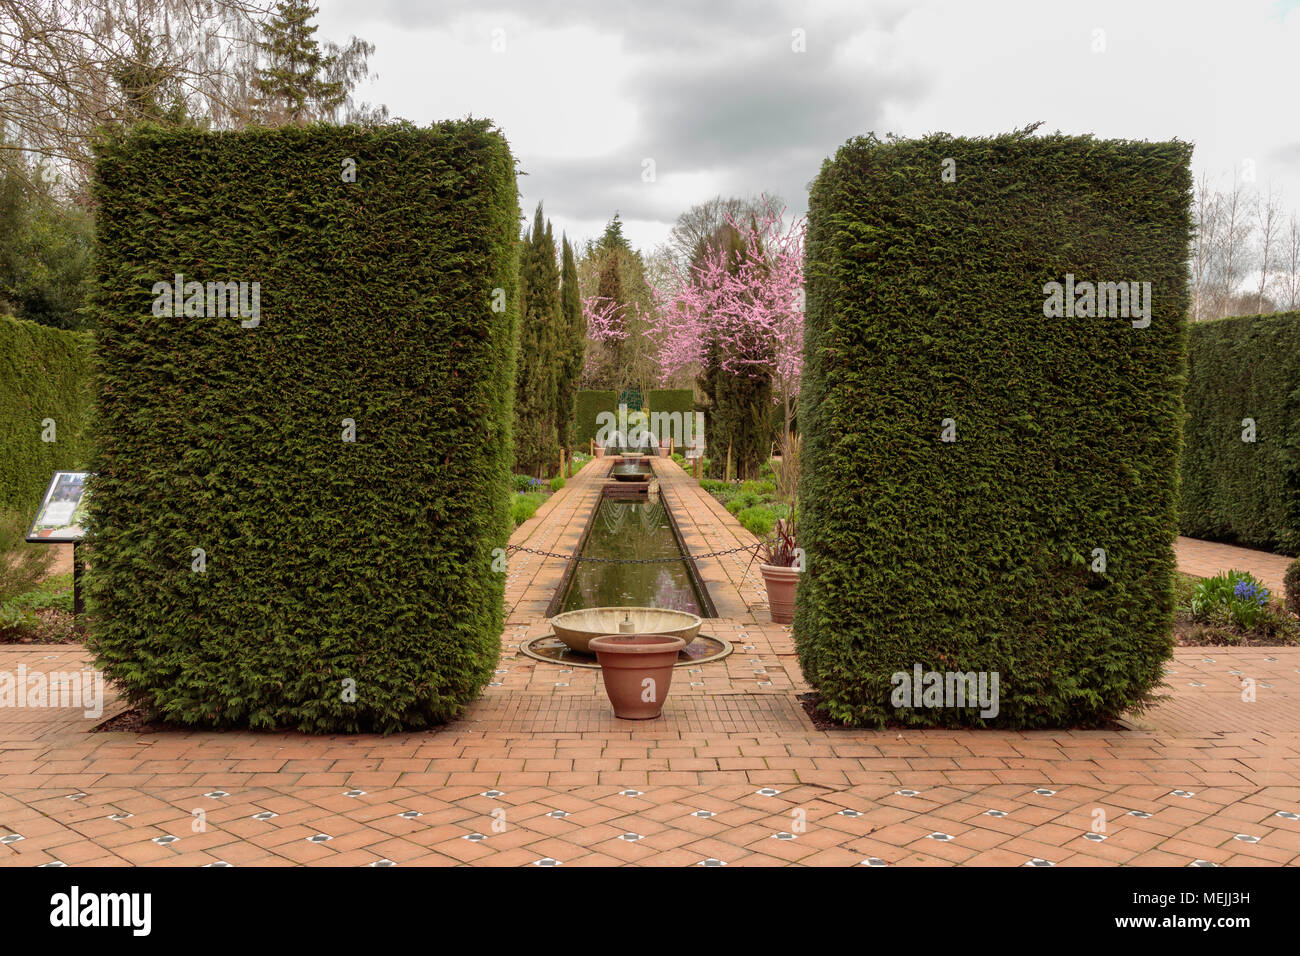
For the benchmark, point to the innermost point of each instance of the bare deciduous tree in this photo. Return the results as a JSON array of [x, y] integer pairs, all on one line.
[[1289, 281], [70, 67], [1268, 217]]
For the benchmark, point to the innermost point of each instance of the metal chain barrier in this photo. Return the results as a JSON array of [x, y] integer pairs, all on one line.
[[575, 557]]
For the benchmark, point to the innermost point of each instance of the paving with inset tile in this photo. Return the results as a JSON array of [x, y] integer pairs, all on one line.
[[734, 772]]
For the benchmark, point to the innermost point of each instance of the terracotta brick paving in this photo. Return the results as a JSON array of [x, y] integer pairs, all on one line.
[[1205, 559], [733, 772]]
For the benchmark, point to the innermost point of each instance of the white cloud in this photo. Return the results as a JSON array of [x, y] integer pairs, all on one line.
[[586, 89]]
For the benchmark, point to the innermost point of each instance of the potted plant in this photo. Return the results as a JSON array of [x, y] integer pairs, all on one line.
[[781, 563], [637, 670], [600, 451], [664, 448]]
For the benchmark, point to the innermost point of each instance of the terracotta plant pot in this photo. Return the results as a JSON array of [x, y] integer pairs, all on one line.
[[600, 451], [780, 583], [638, 670], [664, 449]]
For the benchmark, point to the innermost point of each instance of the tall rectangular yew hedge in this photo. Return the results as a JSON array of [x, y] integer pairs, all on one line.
[[252, 565], [1241, 479], [588, 406], [928, 264]]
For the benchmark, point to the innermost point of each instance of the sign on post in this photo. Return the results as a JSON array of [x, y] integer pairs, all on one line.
[[62, 510]]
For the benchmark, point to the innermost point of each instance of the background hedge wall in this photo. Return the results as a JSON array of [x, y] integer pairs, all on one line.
[[681, 400], [1232, 490], [327, 562], [590, 403], [44, 373], [925, 303], [671, 400]]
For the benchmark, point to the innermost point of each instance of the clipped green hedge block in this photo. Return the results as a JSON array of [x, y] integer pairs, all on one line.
[[928, 272], [671, 400], [45, 392], [591, 403], [1241, 453], [342, 585]]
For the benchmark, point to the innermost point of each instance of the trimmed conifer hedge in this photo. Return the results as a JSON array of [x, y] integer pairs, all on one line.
[[928, 264], [671, 400], [44, 393], [342, 585], [590, 403], [1241, 451]]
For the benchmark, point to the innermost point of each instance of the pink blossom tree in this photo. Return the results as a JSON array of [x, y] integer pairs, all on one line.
[[747, 300]]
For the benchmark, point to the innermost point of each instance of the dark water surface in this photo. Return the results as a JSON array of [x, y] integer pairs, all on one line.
[[632, 529]]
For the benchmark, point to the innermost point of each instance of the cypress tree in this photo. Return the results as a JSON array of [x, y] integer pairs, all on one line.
[[537, 443], [740, 404], [573, 341]]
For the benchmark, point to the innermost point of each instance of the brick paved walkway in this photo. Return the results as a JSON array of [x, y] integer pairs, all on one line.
[[1205, 559], [539, 769]]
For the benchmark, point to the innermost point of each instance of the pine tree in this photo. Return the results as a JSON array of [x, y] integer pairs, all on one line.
[[537, 441], [572, 346], [294, 86]]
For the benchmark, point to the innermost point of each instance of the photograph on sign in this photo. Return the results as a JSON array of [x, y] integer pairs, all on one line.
[[63, 509]]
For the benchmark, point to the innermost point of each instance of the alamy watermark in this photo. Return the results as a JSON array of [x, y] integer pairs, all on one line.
[[1102, 300], [946, 689], [84, 689], [637, 429], [213, 299]]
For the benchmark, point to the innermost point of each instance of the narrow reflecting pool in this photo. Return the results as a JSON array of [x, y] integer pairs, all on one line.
[[632, 529]]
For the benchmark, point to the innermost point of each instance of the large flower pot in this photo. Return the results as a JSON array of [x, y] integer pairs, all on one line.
[[637, 669], [664, 448], [780, 583], [600, 451]]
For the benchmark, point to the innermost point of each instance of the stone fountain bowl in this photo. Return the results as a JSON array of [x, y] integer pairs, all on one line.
[[633, 472], [576, 628]]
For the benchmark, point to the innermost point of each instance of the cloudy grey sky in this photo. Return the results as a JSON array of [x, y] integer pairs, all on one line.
[[716, 94]]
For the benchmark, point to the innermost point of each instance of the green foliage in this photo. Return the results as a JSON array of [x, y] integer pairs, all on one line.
[[1246, 492], [557, 483], [738, 501], [1291, 583], [679, 403], [525, 505], [589, 404], [758, 520], [54, 592], [329, 564], [45, 374], [22, 565], [1238, 595], [571, 348], [45, 248], [296, 84], [537, 436], [926, 302], [739, 405], [762, 488]]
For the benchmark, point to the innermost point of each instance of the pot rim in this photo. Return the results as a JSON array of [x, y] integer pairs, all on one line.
[[780, 568], [656, 644]]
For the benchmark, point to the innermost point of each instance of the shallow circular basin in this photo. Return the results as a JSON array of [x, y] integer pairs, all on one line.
[[576, 628], [630, 473]]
